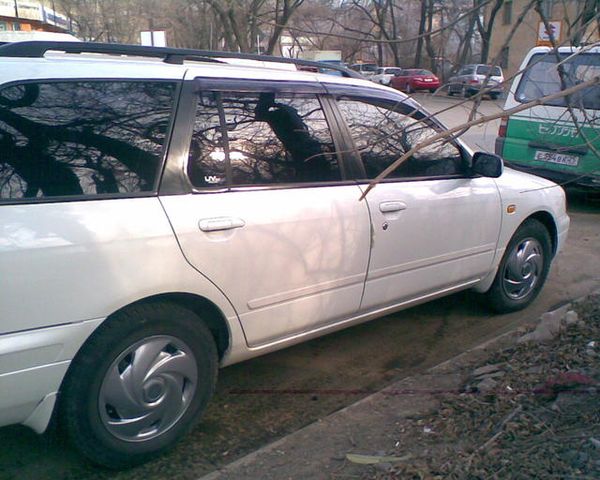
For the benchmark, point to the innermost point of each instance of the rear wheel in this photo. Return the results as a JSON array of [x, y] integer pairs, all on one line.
[[523, 268], [138, 384]]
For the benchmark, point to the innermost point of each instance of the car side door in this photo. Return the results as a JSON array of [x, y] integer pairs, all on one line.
[[434, 226], [269, 217]]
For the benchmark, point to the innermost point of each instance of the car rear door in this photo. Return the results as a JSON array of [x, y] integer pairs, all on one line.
[[434, 228], [270, 218]]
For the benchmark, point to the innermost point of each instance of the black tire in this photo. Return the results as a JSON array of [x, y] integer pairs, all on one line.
[[494, 96], [522, 270], [173, 392]]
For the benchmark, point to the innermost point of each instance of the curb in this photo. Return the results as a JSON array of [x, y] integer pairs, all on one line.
[[370, 403]]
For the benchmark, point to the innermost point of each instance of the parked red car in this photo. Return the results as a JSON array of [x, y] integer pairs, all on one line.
[[413, 79]]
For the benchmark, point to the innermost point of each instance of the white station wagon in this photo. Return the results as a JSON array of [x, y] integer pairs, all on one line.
[[164, 213]]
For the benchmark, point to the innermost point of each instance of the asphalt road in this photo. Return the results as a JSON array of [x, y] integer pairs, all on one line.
[[260, 400], [452, 111]]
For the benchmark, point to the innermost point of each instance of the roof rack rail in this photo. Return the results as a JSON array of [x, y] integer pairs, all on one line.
[[37, 49]]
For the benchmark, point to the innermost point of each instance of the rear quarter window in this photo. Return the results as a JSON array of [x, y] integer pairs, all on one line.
[[486, 69], [82, 138]]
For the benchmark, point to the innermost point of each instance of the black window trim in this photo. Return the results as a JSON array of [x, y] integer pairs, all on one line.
[[106, 196], [193, 87], [409, 107]]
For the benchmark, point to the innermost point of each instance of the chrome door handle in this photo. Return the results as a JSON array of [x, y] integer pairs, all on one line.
[[389, 207], [220, 223]]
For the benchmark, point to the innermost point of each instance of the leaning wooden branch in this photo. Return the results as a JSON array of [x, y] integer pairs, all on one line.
[[447, 133]]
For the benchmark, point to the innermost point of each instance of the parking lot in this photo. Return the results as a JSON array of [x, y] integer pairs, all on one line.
[[265, 398]]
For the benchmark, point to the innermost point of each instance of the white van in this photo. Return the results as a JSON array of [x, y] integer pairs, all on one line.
[[549, 140]]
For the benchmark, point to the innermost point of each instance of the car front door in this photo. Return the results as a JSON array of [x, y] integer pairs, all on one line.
[[434, 228], [270, 219]]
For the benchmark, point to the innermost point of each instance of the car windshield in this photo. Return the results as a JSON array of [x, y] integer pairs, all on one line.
[[485, 70], [542, 78]]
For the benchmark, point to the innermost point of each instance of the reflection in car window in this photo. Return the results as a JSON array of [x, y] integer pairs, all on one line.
[[82, 138], [382, 135], [271, 138]]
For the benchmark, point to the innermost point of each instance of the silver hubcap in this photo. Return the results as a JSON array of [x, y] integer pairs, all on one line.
[[148, 388], [523, 269]]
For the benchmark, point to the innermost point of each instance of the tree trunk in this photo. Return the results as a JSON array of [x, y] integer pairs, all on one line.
[[422, 23]]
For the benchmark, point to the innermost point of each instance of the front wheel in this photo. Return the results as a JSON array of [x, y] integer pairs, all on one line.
[[522, 270], [138, 384]]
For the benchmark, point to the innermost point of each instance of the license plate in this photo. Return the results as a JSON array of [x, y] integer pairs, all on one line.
[[429, 80], [559, 158]]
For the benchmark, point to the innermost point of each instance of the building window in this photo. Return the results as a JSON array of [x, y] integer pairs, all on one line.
[[547, 7], [504, 57], [507, 13], [16, 26], [3, 27]]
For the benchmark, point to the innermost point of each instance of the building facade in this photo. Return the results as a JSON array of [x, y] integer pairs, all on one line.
[[32, 16], [564, 16]]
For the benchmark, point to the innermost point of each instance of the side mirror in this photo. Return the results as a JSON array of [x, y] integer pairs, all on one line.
[[487, 164]]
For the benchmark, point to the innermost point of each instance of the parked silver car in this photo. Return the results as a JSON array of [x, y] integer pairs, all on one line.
[[367, 70], [384, 75], [471, 79]]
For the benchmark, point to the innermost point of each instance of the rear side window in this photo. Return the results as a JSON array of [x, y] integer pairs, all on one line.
[[382, 135], [486, 69], [260, 139], [542, 78], [82, 138]]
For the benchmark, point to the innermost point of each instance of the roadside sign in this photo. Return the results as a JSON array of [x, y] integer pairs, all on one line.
[[545, 36], [154, 38]]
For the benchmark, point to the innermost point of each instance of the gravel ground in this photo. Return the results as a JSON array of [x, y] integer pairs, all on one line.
[[531, 411]]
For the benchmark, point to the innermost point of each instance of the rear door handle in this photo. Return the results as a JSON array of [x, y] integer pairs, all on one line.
[[390, 207], [220, 223]]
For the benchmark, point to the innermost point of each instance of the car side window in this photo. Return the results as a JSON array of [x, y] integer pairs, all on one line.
[[382, 134], [267, 138], [74, 138]]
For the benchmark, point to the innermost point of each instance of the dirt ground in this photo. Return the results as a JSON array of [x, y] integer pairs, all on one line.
[[536, 415]]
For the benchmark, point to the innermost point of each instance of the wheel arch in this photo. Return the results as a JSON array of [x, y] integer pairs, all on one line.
[[542, 216], [202, 307], [546, 219]]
